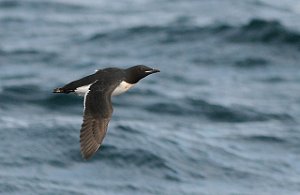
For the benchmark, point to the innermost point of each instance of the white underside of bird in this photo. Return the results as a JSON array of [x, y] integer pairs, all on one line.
[[121, 88]]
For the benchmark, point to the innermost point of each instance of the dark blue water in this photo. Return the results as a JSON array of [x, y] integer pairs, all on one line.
[[222, 117]]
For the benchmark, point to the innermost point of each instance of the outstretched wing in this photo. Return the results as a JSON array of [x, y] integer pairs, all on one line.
[[97, 114]]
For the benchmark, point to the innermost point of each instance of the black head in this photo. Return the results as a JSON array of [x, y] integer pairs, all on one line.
[[136, 73]]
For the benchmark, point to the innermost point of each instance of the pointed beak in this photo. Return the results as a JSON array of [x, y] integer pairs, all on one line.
[[152, 71], [155, 70]]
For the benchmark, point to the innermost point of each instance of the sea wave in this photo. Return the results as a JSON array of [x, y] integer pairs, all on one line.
[[18, 94], [7, 187], [29, 55], [264, 31], [264, 139], [215, 112], [236, 113], [137, 157], [40, 5], [256, 30], [251, 62]]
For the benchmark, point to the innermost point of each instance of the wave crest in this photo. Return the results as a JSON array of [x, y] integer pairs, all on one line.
[[256, 30]]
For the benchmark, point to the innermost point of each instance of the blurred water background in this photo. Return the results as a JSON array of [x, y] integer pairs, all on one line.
[[222, 117]]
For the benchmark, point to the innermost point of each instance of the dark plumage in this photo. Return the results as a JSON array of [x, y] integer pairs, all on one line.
[[97, 90]]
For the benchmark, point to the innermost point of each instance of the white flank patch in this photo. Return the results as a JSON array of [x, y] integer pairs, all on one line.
[[122, 87], [84, 100], [82, 90]]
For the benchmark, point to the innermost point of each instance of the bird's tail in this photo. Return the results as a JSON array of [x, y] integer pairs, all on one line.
[[58, 90], [62, 90]]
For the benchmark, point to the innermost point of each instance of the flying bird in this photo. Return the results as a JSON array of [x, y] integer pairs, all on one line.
[[97, 90]]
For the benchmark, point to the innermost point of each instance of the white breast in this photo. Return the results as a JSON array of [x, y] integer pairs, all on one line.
[[122, 87], [82, 90]]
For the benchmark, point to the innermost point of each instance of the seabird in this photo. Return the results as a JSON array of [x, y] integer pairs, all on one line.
[[97, 90]]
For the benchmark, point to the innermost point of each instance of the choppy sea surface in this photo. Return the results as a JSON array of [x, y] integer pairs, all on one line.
[[222, 116]]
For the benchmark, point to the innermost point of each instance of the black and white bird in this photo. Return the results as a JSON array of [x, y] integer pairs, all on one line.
[[97, 90]]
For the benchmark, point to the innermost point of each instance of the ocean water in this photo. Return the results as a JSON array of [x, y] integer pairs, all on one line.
[[222, 116]]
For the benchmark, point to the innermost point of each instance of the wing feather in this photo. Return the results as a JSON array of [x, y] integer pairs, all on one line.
[[97, 114]]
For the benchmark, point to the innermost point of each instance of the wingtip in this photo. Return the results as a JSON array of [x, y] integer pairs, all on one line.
[[88, 154], [85, 157]]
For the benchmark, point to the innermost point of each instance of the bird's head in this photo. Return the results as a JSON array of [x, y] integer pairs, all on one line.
[[139, 72]]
